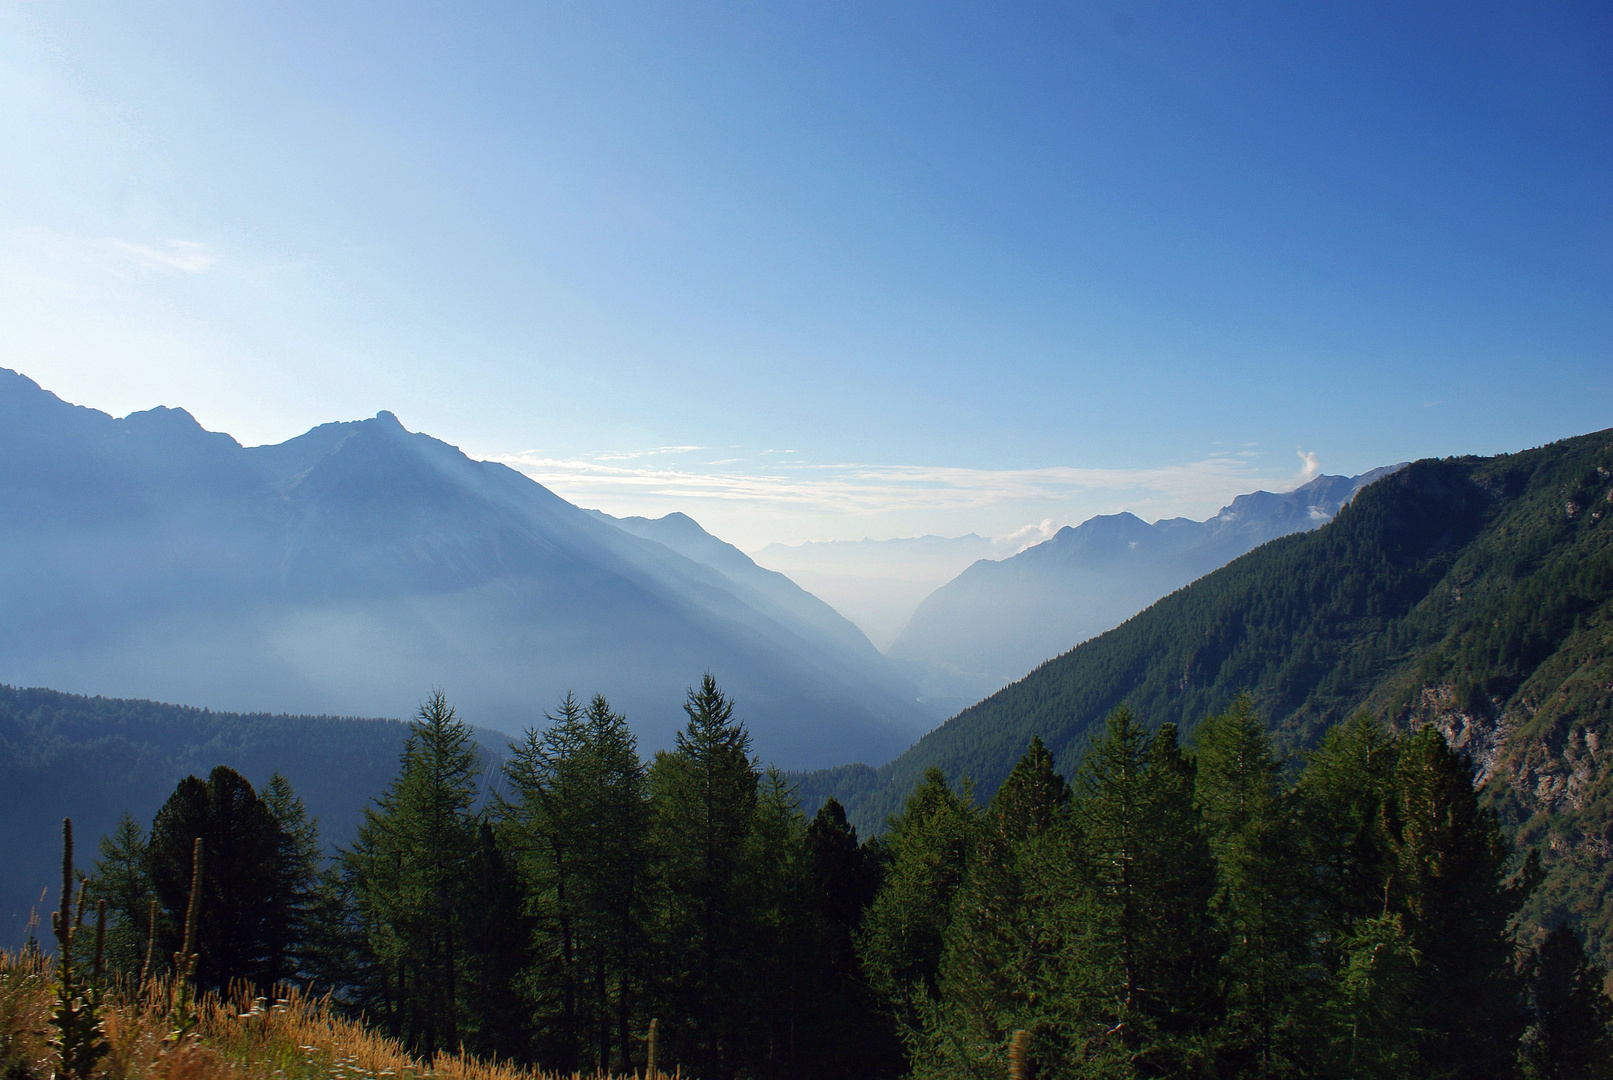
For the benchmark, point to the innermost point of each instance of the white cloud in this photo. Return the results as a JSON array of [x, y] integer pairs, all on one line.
[[184, 256], [1027, 536], [1310, 465]]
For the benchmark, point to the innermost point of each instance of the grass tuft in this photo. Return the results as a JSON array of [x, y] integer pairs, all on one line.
[[242, 1037]]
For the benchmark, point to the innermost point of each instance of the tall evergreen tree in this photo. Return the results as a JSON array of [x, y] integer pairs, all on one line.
[[547, 815], [240, 935], [1178, 941], [299, 862], [1451, 883], [848, 1035], [1146, 866], [1010, 940], [412, 861], [579, 817], [1343, 795], [703, 799], [120, 879], [1363, 948], [614, 866], [780, 961], [929, 847], [496, 947], [1260, 898]]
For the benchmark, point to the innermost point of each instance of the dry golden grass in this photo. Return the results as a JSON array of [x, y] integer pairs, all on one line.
[[295, 1038]]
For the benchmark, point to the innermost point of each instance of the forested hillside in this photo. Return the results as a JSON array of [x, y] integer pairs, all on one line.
[[1471, 593], [1160, 912], [96, 758], [997, 620]]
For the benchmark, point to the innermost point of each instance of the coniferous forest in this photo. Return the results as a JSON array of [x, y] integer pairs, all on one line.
[[1176, 907]]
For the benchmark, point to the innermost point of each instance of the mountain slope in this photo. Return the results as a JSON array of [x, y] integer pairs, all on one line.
[[998, 619], [765, 588], [1474, 594], [878, 584], [95, 758], [351, 569]]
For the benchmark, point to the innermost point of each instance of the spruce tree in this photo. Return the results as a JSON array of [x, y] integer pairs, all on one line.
[[1260, 899], [120, 879], [240, 935], [1178, 939], [929, 847], [1451, 884], [1012, 935], [497, 944], [547, 815], [614, 867], [703, 799], [781, 962], [1343, 795], [1145, 967], [410, 866], [849, 1035], [299, 862]]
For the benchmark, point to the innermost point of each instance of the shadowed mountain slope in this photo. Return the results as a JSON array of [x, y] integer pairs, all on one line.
[[351, 569], [92, 759]]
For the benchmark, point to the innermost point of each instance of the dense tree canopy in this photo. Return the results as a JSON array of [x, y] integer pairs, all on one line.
[[1171, 909]]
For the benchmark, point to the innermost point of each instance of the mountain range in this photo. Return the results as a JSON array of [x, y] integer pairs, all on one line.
[[1473, 594], [352, 569], [998, 619]]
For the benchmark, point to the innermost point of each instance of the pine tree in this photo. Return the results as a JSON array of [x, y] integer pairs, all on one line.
[[929, 847], [1008, 944], [1145, 967], [410, 865], [547, 815], [579, 818], [1364, 949], [780, 960], [846, 1034], [1371, 1002], [120, 879], [239, 936], [1111, 814], [703, 802], [1343, 795], [611, 870], [497, 943], [299, 861], [1570, 1034], [1260, 899], [1178, 941], [1450, 882]]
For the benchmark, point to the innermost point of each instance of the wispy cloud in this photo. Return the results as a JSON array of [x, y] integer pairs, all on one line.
[[1027, 536], [658, 451], [854, 488], [178, 256]]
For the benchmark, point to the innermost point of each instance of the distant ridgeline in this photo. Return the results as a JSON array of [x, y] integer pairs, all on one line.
[[92, 758], [1469, 593]]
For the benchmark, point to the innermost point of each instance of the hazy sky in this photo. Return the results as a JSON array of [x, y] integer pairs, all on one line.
[[826, 270]]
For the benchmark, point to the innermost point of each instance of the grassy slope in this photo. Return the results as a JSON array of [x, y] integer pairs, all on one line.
[[1472, 593]]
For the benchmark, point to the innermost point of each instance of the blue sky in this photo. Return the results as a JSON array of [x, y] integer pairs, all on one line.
[[826, 270]]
